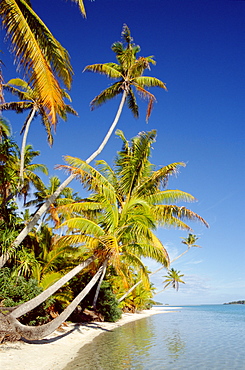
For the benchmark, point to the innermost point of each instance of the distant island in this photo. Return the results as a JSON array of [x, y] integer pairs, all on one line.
[[236, 302]]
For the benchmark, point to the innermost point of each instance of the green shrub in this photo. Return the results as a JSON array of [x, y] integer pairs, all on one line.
[[107, 303], [15, 290]]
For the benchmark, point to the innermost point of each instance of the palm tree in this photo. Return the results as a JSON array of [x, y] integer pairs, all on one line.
[[174, 278], [113, 230], [116, 222], [9, 169], [190, 242], [43, 259], [30, 100], [12, 328], [140, 81], [44, 192], [37, 51], [139, 179], [129, 71], [118, 233], [9, 177], [133, 179], [8, 154], [29, 169]]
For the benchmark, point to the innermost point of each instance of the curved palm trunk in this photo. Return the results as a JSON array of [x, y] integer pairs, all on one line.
[[23, 145], [99, 284], [152, 273], [36, 301], [163, 290], [10, 325], [110, 131], [52, 198]]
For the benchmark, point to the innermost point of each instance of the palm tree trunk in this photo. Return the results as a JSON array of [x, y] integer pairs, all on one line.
[[10, 324], [152, 273], [99, 284], [23, 145], [52, 198], [36, 301], [129, 291], [110, 131], [160, 291]]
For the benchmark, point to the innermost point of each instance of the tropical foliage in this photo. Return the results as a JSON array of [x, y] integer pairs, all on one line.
[[30, 100], [85, 252], [44, 60], [118, 220], [132, 67]]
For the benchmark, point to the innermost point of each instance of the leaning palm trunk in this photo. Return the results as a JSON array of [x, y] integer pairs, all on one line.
[[23, 145], [36, 301], [99, 284], [129, 291], [12, 328], [152, 273], [51, 199], [163, 290]]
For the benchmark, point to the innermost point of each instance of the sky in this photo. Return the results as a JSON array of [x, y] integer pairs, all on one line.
[[200, 54]]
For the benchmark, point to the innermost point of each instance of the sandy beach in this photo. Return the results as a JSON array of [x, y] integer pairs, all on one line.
[[57, 350]]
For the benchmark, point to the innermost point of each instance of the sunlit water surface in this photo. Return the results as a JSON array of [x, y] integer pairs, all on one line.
[[194, 337]]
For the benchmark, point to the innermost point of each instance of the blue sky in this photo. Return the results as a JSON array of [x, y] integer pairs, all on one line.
[[200, 54]]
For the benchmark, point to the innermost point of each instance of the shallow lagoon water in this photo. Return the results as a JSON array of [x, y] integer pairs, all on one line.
[[194, 337]]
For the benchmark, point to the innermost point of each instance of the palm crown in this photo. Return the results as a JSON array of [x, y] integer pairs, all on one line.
[[118, 219], [128, 71], [173, 278]]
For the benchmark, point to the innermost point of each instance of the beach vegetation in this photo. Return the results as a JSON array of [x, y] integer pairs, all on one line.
[[129, 71], [106, 235], [44, 61], [30, 100], [107, 304], [15, 290], [89, 251]]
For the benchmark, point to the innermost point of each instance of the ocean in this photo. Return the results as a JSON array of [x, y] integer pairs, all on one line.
[[191, 337]]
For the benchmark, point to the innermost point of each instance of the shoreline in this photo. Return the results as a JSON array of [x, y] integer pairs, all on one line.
[[57, 350]]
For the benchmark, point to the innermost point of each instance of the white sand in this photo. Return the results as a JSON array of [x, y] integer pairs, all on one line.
[[58, 349]]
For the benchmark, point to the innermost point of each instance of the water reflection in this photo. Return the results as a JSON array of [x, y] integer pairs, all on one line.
[[193, 338], [175, 345], [122, 348]]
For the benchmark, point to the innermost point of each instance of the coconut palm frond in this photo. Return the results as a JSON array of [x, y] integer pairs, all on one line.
[[159, 178], [84, 226], [147, 81], [29, 47], [81, 6], [18, 107], [169, 196], [107, 94], [132, 103], [107, 69]]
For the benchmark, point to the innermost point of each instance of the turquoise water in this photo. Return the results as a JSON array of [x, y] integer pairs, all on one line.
[[193, 337]]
